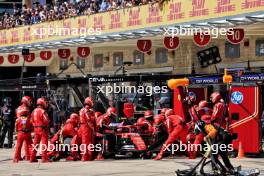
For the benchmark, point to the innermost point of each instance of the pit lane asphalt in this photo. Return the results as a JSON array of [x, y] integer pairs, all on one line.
[[109, 167]]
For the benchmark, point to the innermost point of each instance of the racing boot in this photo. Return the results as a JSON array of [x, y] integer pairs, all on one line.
[[15, 160], [33, 160], [192, 155], [171, 156], [158, 157], [99, 157], [86, 158], [162, 150], [70, 158], [45, 161], [73, 157]]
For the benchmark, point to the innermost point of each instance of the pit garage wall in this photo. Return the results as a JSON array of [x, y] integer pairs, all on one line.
[[180, 62]]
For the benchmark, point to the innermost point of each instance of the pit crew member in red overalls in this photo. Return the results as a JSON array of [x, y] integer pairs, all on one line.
[[218, 109], [40, 120], [26, 103], [176, 128], [86, 131], [24, 128], [67, 131], [144, 124], [102, 128]]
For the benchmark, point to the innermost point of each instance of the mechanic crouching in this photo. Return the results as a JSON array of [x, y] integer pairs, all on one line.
[[176, 128], [64, 136], [102, 128], [144, 124]]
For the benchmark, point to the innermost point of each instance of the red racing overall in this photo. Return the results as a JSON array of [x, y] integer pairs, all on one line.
[[40, 120], [86, 132], [68, 130], [18, 115], [23, 128], [176, 128]]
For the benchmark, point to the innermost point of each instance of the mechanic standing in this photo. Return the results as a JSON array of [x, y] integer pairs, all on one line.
[[25, 104], [219, 110], [8, 122], [87, 129], [40, 120], [23, 128]]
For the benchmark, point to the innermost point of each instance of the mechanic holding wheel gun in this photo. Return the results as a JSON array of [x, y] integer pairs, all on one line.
[[219, 136]]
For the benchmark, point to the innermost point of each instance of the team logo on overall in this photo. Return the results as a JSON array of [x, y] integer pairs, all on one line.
[[237, 97]]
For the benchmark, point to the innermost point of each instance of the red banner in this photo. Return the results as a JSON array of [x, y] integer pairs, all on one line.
[[45, 55], [64, 53], [83, 52], [144, 45], [13, 58], [30, 57]]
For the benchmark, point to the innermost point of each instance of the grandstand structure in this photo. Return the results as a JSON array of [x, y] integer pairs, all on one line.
[[112, 39]]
